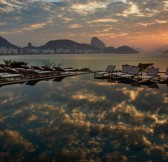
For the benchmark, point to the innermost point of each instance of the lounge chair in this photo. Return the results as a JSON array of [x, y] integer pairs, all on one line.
[[61, 70], [125, 69], [11, 70], [26, 67], [69, 70], [107, 73], [9, 75], [55, 71], [37, 68], [38, 73], [47, 68], [164, 76], [133, 72], [2, 70], [151, 73]]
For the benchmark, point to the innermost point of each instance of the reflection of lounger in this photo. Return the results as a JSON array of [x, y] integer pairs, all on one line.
[[58, 79], [151, 73], [109, 70], [32, 82]]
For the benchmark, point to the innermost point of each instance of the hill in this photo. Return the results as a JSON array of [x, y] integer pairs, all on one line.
[[67, 44], [120, 50], [161, 49], [97, 42], [5, 43], [166, 51], [126, 50]]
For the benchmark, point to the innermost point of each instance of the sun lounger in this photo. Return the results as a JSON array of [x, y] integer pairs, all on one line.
[[2, 70], [61, 70], [55, 69], [151, 73], [11, 70], [125, 69], [134, 71], [164, 76], [26, 67], [38, 73], [69, 70], [9, 75], [47, 68], [37, 68], [109, 70]]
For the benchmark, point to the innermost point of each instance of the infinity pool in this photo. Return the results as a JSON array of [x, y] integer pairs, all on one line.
[[82, 119]]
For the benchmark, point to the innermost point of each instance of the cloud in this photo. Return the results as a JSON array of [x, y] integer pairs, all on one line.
[[89, 96], [89, 7], [66, 19]]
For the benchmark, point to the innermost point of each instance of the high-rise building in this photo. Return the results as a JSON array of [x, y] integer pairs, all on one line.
[[29, 45]]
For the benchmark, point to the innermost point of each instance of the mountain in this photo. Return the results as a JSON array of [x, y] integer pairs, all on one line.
[[67, 44], [109, 50], [126, 50], [5, 43], [73, 46], [166, 51], [120, 50], [161, 49], [138, 49], [97, 43]]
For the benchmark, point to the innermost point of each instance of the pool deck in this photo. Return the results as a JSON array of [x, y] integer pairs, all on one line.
[[30, 80], [25, 80]]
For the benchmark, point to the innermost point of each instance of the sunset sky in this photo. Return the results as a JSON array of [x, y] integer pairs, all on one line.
[[138, 23]]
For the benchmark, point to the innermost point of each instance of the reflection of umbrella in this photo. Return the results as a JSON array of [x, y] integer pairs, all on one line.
[[58, 79], [32, 82]]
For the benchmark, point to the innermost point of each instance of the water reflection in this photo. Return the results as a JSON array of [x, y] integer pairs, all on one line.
[[82, 119]]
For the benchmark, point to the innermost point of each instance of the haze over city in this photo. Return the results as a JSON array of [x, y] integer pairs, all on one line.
[[117, 22]]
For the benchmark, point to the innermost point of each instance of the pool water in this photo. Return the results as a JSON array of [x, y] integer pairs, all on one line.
[[82, 119]]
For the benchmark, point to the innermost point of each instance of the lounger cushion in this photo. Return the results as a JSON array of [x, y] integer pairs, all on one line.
[[110, 68], [126, 69], [152, 71], [134, 71]]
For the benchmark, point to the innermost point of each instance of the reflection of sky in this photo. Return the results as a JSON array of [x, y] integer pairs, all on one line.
[[83, 120]]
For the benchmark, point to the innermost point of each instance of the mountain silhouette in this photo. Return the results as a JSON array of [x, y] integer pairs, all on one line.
[[166, 51], [5, 43], [96, 46], [109, 50], [126, 50], [97, 43], [67, 44]]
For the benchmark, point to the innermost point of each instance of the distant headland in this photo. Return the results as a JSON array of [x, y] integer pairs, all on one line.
[[64, 47]]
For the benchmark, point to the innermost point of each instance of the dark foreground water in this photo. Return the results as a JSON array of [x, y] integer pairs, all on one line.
[[81, 119]]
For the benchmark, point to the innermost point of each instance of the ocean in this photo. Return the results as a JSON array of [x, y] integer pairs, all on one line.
[[83, 119], [92, 61]]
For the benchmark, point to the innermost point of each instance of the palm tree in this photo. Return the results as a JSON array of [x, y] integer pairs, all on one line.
[[7, 63]]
